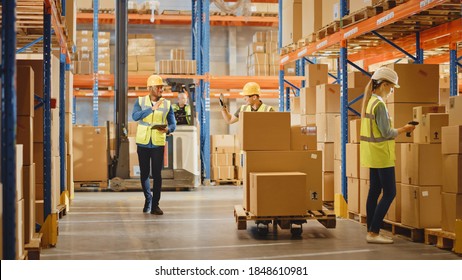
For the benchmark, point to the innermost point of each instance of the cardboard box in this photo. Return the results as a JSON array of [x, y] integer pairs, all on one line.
[[20, 229], [146, 63], [337, 176], [258, 70], [364, 173], [133, 161], [308, 101], [398, 162], [353, 93], [19, 167], [90, 153], [316, 74], [25, 91], [425, 91], [54, 132], [278, 194], [25, 136], [238, 173], [256, 48], [222, 173], [29, 201], [327, 98], [452, 140], [69, 92], [85, 67], [356, 5], [355, 131], [401, 114], [292, 21], [364, 186], [221, 159], [272, 35], [132, 63], [421, 206], [327, 156], [451, 208], [289, 69], [353, 195], [165, 67], [357, 79], [255, 136], [38, 160], [271, 47], [302, 139], [222, 144], [421, 132], [352, 166], [330, 11], [308, 162], [295, 105], [177, 54], [394, 212], [452, 173], [307, 120], [325, 124], [444, 97], [455, 110], [337, 138], [259, 58], [85, 4], [311, 16], [420, 162], [328, 186], [259, 37]]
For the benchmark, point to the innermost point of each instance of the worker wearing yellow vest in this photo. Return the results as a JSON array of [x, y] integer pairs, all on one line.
[[155, 118], [377, 147], [182, 110], [251, 93]]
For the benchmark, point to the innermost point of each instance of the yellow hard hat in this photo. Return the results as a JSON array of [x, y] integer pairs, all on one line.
[[155, 80], [251, 88]]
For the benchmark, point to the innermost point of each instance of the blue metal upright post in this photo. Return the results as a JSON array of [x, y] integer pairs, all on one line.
[[281, 68], [95, 62], [8, 131], [453, 63], [206, 84], [287, 99], [302, 72], [343, 81], [62, 123], [419, 53], [46, 112], [193, 30]]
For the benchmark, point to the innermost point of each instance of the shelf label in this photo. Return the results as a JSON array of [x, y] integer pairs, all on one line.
[[284, 59], [425, 3], [301, 53], [386, 18], [351, 32], [322, 44], [207, 104]]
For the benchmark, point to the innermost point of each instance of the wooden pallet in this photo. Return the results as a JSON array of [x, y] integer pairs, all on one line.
[[357, 217], [84, 10], [106, 11], [328, 30], [34, 247], [442, 239], [62, 211], [228, 181], [171, 12], [138, 88], [361, 15], [409, 233], [264, 14], [90, 185]]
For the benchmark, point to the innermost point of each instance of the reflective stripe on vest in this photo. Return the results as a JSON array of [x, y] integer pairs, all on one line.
[[144, 133], [376, 151]]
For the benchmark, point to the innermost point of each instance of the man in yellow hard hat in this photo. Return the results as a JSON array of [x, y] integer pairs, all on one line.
[[155, 118], [251, 93]]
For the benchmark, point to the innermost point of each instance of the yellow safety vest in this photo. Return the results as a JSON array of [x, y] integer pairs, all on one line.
[[187, 109], [144, 131], [262, 108], [376, 150]]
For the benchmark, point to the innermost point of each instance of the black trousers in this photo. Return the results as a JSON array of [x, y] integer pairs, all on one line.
[[382, 179], [151, 160]]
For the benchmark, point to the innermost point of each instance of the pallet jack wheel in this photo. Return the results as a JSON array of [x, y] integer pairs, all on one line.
[[262, 227], [117, 184], [296, 231]]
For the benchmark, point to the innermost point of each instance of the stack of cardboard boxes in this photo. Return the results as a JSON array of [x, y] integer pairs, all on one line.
[[177, 64], [274, 155], [68, 136], [84, 61], [225, 158], [263, 57], [452, 166], [132, 150], [104, 5], [141, 54]]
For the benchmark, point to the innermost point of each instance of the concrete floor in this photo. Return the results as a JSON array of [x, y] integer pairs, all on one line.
[[200, 225]]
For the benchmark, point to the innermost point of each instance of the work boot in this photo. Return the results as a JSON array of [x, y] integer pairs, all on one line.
[[157, 211], [147, 206]]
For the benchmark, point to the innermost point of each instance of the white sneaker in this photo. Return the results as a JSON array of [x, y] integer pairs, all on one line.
[[386, 236], [378, 239]]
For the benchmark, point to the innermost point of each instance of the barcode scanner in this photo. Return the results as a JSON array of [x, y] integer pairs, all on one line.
[[408, 134]]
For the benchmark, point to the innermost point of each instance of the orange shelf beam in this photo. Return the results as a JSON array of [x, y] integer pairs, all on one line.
[[181, 20], [374, 23], [216, 82], [57, 26]]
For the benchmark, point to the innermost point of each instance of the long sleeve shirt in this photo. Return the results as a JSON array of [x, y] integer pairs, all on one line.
[[383, 121], [139, 114]]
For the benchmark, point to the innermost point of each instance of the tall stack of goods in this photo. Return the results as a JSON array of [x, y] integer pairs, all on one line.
[[141, 54], [452, 166], [223, 157], [274, 155], [83, 63], [263, 56], [421, 182], [177, 64]]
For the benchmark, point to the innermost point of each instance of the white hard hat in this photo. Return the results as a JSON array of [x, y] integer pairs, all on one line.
[[386, 74]]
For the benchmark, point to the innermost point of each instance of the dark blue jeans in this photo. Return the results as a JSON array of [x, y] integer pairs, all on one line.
[[151, 161], [381, 179]]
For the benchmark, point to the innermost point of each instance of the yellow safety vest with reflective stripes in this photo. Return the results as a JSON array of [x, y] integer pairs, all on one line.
[[144, 131], [262, 108], [376, 151], [187, 109]]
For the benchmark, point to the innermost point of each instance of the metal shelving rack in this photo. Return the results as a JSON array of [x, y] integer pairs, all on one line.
[[52, 26], [448, 31]]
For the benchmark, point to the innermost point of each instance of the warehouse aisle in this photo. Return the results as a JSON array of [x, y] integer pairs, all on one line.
[[200, 225]]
